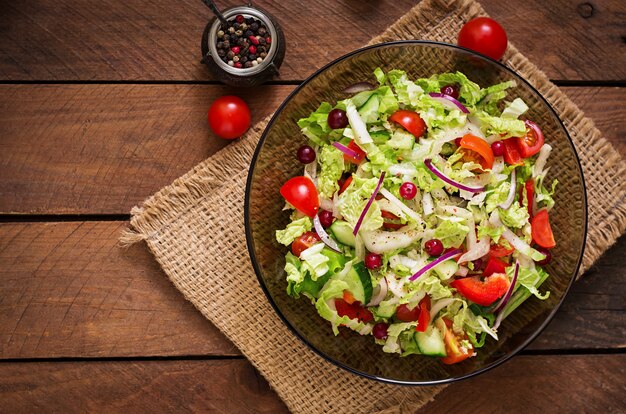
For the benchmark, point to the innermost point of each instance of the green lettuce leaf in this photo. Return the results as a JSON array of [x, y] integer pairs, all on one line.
[[294, 230], [469, 93], [295, 274], [515, 216], [497, 195], [451, 231], [353, 200], [431, 284], [485, 229], [514, 109], [315, 261], [326, 309], [392, 344], [496, 125], [544, 196], [530, 279], [331, 166], [401, 139], [315, 127]]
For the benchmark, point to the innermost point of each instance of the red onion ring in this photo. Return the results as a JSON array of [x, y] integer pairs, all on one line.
[[324, 236], [449, 102], [435, 262], [429, 164], [350, 153], [369, 204]]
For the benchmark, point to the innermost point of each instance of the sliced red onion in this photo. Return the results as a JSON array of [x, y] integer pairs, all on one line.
[[449, 102], [369, 204], [359, 87], [380, 292], [509, 198], [429, 164], [350, 153], [500, 306], [435, 262], [324, 236]]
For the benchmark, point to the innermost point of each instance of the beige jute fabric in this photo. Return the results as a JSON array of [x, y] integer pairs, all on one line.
[[195, 229]]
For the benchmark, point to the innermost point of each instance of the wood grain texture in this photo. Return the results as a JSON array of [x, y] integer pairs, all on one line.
[[593, 384], [227, 386], [101, 149], [134, 40], [69, 291]]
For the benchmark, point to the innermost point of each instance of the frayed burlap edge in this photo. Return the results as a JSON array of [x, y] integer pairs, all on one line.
[[606, 223]]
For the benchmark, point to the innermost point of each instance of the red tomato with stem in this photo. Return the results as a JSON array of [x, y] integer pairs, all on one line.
[[541, 230], [301, 193], [229, 117], [483, 293], [303, 242], [409, 120], [485, 36]]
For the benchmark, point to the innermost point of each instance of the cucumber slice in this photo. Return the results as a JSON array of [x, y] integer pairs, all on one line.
[[369, 110], [380, 137], [445, 270], [343, 233], [431, 342], [359, 283]]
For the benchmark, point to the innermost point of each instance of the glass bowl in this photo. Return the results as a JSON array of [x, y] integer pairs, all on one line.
[[274, 162]]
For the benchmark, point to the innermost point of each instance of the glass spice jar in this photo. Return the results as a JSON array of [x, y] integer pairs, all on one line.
[[245, 77]]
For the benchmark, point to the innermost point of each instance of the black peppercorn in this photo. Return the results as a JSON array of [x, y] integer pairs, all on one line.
[[243, 59], [252, 57], [230, 54], [254, 26], [249, 20], [261, 49], [221, 52], [262, 31], [247, 64], [262, 41], [263, 55], [240, 41], [233, 38], [236, 25], [226, 44], [249, 33], [220, 45]]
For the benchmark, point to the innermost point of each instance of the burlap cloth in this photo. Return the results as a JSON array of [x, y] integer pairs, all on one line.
[[195, 229]]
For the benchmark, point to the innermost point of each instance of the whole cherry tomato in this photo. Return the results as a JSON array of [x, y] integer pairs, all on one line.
[[301, 193], [484, 35], [229, 117]]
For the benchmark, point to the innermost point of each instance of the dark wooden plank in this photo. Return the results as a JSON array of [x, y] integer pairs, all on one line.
[[524, 384], [60, 40], [101, 149], [66, 290], [228, 386], [547, 384], [105, 148]]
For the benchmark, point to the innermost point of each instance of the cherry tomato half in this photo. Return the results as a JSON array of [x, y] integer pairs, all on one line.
[[229, 117], [541, 230], [480, 147], [454, 352], [483, 293], [409, 120], [303, 242], [511, 152], [345, 184], [360, 154], [484, 35], [301, 193], [531, 143]]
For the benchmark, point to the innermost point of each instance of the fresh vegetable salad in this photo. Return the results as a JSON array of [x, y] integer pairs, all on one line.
[[422, 216]]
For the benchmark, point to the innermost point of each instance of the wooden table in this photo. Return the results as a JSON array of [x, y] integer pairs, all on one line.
[[102, 104]]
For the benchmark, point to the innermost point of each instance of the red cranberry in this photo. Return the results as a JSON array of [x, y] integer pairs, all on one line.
[[498, 148], [306, 154], [434, 247], [326, 218], [373, 261], [457, 141], [451, 90], [337, 119], [408, 191], [380, 330], [546, 252]]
